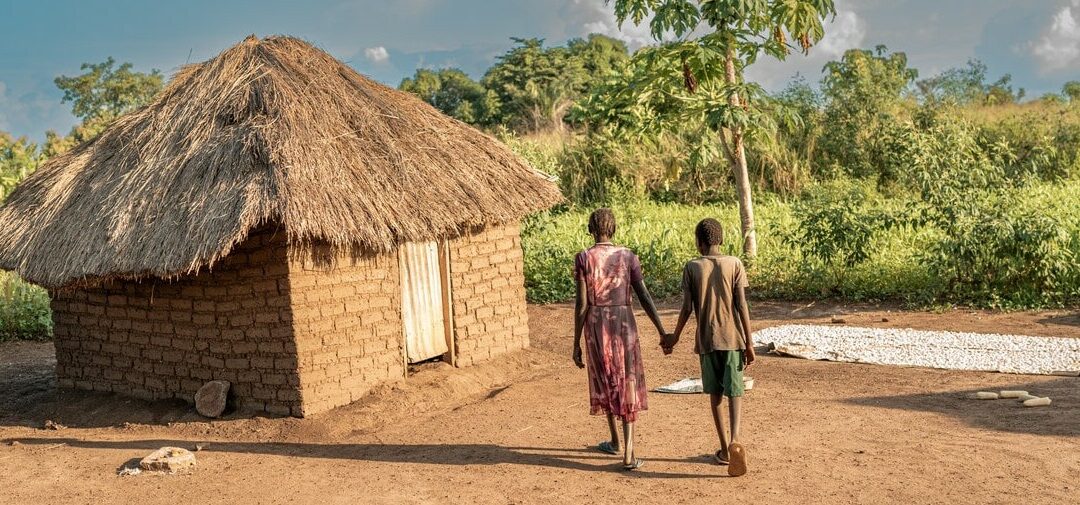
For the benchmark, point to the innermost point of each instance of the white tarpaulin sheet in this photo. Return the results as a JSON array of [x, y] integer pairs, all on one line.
[[933, 349]]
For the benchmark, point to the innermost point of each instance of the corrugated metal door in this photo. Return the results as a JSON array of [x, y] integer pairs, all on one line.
[[422, 301]]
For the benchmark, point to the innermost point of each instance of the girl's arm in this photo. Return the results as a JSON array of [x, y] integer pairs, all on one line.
[[581, 308], [647, 304]]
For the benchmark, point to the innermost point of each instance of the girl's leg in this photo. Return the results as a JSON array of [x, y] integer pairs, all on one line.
[[718, 419], [614, 432], [628, 436]]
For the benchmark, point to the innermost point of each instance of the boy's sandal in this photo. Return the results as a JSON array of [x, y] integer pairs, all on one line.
[[606, 446], [737, 455], [719, 459], [637, 463]]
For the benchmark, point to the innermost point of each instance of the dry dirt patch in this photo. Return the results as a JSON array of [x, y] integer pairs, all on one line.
[[517, 431]]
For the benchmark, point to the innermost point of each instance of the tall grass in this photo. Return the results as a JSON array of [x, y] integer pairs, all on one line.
[[662, 235], [24, 310], [899, 265]]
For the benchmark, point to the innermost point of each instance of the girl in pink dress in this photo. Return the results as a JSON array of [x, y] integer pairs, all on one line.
[[605, 275]]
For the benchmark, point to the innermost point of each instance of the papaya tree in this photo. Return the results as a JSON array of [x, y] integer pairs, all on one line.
[[705, 45]]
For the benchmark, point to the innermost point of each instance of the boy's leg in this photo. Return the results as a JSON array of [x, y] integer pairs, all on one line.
[[734, 389], [734, 411], [712, 383], [614, 432], [628, 436], [718, 419]]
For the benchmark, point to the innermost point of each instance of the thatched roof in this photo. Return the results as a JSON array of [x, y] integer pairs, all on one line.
[[270, 131]]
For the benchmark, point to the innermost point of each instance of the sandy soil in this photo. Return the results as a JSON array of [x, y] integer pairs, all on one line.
[[517, 431]]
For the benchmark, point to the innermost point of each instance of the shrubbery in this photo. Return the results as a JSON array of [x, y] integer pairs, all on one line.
[[846, 240], [24, 310], [959, 205]]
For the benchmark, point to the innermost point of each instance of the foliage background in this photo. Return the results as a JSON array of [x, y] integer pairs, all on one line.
[[870, 184]]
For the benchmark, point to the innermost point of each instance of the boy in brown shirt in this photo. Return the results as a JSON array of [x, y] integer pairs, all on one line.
[[714, 290]]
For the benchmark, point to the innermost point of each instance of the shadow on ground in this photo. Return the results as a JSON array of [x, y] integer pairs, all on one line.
[[1062, 418], [583, 459]]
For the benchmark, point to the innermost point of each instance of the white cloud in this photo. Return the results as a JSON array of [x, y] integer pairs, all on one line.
[[599, 17], [377, 54], [844, 32], [1059, 46]]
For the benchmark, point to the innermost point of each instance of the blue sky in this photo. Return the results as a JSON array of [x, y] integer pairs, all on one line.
[[1038, 41]]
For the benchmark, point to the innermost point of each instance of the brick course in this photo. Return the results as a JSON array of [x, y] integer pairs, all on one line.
[[487, 285], [347, 321], [158, 339], [295, 333]]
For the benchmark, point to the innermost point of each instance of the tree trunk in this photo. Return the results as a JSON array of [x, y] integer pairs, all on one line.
[[737, 157]]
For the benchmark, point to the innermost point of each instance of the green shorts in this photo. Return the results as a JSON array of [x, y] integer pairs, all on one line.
[[721, 373]]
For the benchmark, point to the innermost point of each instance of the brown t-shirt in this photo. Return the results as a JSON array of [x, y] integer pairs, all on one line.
[[709, 282]]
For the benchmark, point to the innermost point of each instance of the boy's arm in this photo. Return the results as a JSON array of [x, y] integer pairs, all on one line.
[[684, 313], [684, 316], [744, 319], [581, 308], [646, 301]]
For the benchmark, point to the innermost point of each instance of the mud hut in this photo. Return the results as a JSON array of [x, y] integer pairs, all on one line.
[[276, 220]]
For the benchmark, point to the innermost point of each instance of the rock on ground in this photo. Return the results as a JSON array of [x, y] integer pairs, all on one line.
[[210, 399], [168, 460]]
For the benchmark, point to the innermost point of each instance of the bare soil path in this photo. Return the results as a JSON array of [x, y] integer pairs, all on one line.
[[517, 431]]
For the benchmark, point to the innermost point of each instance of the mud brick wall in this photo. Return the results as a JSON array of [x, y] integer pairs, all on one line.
[[159, 339], [347, 322], [488, 290]]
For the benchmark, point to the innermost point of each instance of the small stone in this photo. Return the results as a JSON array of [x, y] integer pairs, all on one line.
[[210, 399], [50, 425], [14, 443], [168, 460], [199, 447], [838, 320], [884, 319]]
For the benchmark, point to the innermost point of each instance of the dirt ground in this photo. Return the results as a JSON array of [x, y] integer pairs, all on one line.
[[517, 431]]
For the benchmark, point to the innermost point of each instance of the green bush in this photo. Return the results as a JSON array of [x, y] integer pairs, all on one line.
[[846, 240], [24, 310]]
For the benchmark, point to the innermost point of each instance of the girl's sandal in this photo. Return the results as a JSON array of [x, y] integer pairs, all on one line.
[[637, 463], [737, 466], [606, 447]]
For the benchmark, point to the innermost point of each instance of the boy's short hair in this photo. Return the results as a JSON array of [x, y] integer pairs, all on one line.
[[709, 232], [602, 222]]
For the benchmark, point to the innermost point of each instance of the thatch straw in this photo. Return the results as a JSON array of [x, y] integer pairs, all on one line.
[[271, 131]]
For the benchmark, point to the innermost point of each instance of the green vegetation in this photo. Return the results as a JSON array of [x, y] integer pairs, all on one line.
[[24, 310], [869, 184], [848, 240], [873, 186], [98, 96]]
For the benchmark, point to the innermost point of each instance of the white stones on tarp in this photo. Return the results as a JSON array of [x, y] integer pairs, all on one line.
[[211, 397], [168, 460], [934, 349]]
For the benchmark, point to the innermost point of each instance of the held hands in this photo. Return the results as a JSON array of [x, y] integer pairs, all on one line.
[[577, 357], [668, 341]]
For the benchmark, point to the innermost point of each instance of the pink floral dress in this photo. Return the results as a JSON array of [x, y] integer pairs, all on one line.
[[616, 374]]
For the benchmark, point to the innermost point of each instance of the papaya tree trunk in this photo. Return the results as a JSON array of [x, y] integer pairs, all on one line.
[[737, 157]]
